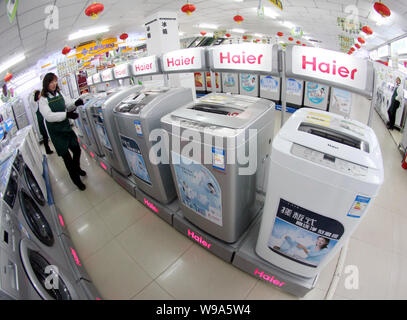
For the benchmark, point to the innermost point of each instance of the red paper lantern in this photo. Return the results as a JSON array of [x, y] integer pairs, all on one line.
[[291, 38], [8, 77], [304, 45], [227, 35], [244, 37], [361, 40], [357, 45], [352, 49], [238, 18], [188, 8], [66, 50], [298, 42], [124, 36], [382, 9], [367, 30], [94, 10], [280, 34], [203, 33]]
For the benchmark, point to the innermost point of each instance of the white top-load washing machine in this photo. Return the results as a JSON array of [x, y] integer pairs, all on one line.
[[216, 186], [108, 131], [136, 119], [324, 174]]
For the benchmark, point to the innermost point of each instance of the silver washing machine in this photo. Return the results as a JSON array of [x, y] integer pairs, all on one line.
[[87, 134], [107, 130], [215, 189], [136, 118]]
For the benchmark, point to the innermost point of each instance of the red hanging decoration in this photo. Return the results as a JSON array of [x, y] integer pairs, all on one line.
[[291, 38], [304, 45], [238, 18], [382, 9], [357, 45], [66, 50], [244, 37], [203, 33], [298, 42], [94, 10], [352, 49], [361, 40], [367, 30], [228, 35], [280, 34], [8, 77], [124, 36], [188, 8]]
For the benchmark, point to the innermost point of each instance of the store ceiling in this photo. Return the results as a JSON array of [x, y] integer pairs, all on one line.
[[318, 18]]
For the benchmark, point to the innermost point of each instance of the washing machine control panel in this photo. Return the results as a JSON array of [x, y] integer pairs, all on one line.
[[329, 161]]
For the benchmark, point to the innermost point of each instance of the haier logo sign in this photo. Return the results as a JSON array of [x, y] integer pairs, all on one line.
[[250, 57], [184, 60], [107, 75], [330, 66], [121, 71], [147, 65]]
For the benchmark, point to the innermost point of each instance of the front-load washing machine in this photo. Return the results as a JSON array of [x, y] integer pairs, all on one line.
[[324, 174], [216, 186], [136, 119], [108, 132]]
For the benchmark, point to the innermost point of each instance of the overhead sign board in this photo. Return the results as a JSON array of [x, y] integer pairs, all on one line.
[[146, 66], [122, 71], [258, 58], [107, 75], [185, 60], [92, 49], [331, 68], [96, 78]]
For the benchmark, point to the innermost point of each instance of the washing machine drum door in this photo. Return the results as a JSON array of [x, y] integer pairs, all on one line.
[[34, 187], [44, 277], [36, 219]]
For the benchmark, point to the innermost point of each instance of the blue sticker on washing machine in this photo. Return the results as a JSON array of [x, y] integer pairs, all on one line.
[[102, 134], [248, 81], [269, 83], [135, 158], [294, 87], [198, 188], [1, 133], [218, 159], [139, 130], [229, 80], [316, 93], [9, 124], [359, 207]]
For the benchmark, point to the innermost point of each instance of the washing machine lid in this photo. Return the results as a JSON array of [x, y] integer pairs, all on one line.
[[35, 219], [334, 135], [33, 186], [224, 110], [39, 271], [135, 103]]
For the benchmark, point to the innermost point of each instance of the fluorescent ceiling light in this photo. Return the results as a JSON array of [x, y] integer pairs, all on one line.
[[12, 62], [258, 35], [268, 12], [207, 26], [288, 24], [87, 32], [238, 30], [24, 78]]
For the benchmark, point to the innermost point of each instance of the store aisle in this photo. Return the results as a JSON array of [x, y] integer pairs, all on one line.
[[131, 254]]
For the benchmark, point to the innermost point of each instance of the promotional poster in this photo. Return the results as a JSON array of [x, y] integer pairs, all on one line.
[[198, 188], [135, 158]]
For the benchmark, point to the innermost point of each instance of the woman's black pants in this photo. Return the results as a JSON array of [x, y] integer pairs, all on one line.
[[72, 163]]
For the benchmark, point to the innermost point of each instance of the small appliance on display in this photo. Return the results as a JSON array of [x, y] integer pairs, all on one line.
[[230, 82], [216, 187], [325, 173], [340, 102], [316, 96], [136, 119], [200, 83], [295, 93], [109, 135], [249, 84], [270, 88]]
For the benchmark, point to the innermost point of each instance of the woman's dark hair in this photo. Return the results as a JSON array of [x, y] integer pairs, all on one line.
[[49, 77], [326, 242], [37, 95]]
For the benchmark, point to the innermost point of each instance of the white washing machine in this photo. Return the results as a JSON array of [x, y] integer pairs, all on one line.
[[324, 174]]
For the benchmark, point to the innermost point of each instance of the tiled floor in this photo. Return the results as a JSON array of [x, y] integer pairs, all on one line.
[[131, 254]]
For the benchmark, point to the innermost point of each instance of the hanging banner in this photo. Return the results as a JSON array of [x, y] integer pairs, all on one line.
[[93, 48], [11, 7]]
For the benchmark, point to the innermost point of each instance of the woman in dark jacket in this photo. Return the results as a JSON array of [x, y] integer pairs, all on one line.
[[40, 120], [57, 109]]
